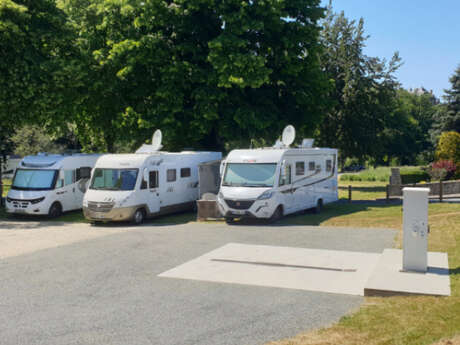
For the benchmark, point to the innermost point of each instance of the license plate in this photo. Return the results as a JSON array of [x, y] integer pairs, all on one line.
[[238, 212], [19, 210], [99, 215]]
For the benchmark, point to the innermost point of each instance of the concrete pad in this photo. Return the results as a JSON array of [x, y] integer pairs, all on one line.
[[331, 271], [388, 279]]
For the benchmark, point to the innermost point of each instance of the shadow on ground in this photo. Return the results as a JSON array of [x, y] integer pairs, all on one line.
[[23, 222], [340, 208]]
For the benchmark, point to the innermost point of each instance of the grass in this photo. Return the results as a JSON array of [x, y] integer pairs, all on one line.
[[362, 190], [382, 174], [6, 186], [395, 320]]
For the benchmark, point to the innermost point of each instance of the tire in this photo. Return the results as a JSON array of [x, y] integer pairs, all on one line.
[[96, 223], [319, 206], [230, 220], [55, 210], [139, 216], [277, 215]]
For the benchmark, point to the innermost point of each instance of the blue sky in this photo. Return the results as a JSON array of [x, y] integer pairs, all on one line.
[[425, 32]]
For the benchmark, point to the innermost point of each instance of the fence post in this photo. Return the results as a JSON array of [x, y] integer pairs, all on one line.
[[440, 191], [349, 193], [387, 198]]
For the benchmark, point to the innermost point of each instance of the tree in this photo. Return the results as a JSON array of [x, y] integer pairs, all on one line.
[[33, 86], [32, 139], [447, 117], [363, 91], [203, 71], [449, 147], [407, 128]]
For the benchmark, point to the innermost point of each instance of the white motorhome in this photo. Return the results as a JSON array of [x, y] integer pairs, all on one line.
[[144, 184], [48, 184], [276, 181]]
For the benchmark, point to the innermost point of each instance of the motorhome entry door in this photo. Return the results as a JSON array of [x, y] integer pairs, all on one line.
[[153, 201]]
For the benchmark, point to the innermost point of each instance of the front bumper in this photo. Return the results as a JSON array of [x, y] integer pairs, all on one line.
[[258, 209], [117, 214], [26, 207]]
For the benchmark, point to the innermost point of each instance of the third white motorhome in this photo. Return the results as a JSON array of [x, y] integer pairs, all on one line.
[[276, 181], [48, 184], [144, 184]]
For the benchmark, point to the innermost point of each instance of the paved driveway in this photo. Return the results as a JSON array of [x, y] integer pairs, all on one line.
[[77, 284]]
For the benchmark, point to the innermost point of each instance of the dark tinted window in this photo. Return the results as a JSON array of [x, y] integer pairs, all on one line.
[[171, 175], [153, 179], [185, 172], [299, 168]]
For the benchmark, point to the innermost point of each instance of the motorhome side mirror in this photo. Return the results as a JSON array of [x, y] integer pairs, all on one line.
[[85, 172], [283, 169], [222, 168], [59, 183]]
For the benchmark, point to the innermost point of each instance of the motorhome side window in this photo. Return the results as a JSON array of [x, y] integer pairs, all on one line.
[[171, 175], [311, 166], [153, 179], [185, 172], [82, 173], [329, 165], [286, 179], [299, 168], [69, 177]]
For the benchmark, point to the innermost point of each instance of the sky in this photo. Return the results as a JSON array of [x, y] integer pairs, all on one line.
[[425, 32]]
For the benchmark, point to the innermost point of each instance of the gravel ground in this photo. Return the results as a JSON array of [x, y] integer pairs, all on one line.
[[77, 284]]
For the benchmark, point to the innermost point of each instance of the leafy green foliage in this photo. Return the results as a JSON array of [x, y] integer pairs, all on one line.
[[406, 133], [449, 147], [448, 116], [363, 90], [31, 139], [203, 71]]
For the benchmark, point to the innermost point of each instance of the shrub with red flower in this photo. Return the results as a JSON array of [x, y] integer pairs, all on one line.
[[442, 169]]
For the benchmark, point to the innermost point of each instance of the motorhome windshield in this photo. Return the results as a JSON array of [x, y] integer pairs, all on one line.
[[250, 174], [114, 179], [34, 179]]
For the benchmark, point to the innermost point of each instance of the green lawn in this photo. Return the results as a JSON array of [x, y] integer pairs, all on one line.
[[394, 320], [362, 190]]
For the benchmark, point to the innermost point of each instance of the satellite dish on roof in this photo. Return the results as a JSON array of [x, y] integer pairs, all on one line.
[[288, 135], [156, 140]]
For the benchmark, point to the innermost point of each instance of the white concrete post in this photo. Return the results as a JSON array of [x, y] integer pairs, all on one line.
[[415, 229]]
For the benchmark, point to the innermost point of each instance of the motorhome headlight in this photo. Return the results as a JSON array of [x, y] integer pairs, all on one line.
[[265, 195], [36, 201], [8, 199]]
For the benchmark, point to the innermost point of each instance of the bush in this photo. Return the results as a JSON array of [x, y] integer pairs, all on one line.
[[443, 170], [449, 147]]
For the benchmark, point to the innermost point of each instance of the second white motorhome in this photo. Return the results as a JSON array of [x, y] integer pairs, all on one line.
[[48, 184], [272, 182], [144, 184]]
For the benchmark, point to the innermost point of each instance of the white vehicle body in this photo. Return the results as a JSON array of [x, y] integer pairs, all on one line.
[[154, 182], [258, 182], [44, 180]]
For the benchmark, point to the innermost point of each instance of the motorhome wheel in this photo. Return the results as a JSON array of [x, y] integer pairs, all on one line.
[[319, 206], [55, 210], [139, 216], [230, 220]]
